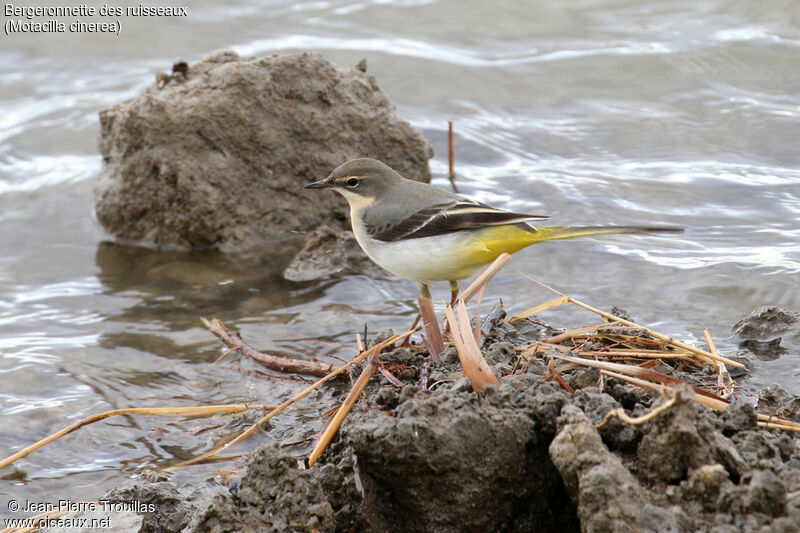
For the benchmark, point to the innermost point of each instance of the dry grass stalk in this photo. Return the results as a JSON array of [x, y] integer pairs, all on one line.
[[561, 300], [201, 410], [622, 415], [630, 370], [652, 376], [299, 396], [542, 347], [478, 286], [567, 335], [775, 425], [224, 354], [724, 389], [274, 362], [700, 354], [769, 419], [344, 410], [451, 155], [477, 331], [555, 375], [633, 354], [700, 397], [475, 366], [485, 277], [359, 343]]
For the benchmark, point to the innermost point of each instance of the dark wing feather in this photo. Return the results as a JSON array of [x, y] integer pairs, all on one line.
[[446, 218]]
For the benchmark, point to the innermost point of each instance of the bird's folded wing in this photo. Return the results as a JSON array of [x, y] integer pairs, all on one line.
[[452, 216]]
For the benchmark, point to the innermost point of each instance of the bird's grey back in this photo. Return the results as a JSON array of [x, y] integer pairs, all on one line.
[[402, 199]]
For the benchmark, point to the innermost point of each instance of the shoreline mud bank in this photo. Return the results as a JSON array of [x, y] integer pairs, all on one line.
[[524, 456]]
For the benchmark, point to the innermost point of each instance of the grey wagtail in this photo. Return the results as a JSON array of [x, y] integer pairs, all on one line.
[[423, 233]]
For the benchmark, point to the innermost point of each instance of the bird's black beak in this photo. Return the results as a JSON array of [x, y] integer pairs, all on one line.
[[321, 184]]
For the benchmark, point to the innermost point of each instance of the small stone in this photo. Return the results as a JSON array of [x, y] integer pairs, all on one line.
[[388, 398], [654, 519], [462, 384], [765, 493], [739, 416]]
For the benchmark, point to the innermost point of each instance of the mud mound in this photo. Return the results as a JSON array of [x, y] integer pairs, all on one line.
[[217, 153], [768, 322], [458, 462], [524, 456], [271, 494], [769, 332], [609, 497]]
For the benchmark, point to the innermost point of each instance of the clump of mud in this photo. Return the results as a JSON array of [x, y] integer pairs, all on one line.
[[769, 332], [524, 456], [216, 154], [271, 494]]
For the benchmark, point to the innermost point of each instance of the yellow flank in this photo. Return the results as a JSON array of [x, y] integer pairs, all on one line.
[[492, 241], [489, 243]]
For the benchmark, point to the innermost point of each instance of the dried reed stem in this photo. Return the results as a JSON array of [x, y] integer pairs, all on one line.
[[555, 302], [567, 335], [725, 389], [344, 410], [299, 396], [660, 336], [775, 425], [622, 415], [769, 419], [475, 366], [201, 410], [485, 277], [451, 155]]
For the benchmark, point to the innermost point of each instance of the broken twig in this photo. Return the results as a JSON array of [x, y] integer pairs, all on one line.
[[273, 362]]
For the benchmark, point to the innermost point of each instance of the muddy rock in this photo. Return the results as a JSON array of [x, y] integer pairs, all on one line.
[[173, 506], [271, 494], [616, 434], [677, 440], [654, 519], [338, 482], [761, 493], [588, 469], [759, 449], [216, 154], [740, 416], [524, 456], [457, 462], [705, 484], [326, 252], [768, 322], [775, 401]]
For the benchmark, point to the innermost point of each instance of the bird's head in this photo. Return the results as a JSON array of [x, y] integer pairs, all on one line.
[[360, 181]]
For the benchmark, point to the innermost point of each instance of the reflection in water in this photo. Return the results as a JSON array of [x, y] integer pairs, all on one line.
[[173, 288]]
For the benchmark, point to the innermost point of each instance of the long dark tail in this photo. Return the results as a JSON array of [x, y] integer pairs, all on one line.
[[568, 232]]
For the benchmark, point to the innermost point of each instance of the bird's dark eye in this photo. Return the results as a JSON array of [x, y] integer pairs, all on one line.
[[352, 183]]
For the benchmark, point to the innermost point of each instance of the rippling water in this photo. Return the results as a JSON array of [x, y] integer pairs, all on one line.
[[593, 112]]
